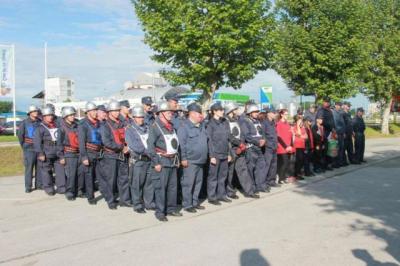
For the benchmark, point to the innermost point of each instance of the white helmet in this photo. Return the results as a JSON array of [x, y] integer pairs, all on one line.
[[137, 111], [33, 108], [113, 106], [230, 106], [68, 110], [252, 108], [163, 106], [47, 111], [90, 106]]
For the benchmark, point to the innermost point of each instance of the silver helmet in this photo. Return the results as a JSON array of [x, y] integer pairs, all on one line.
[[163, 106], [113, 106], [252, 108], [50, 105], [230, 106], [137, 111], [90, 106], [33, 108], [68, 110], [47, 111]]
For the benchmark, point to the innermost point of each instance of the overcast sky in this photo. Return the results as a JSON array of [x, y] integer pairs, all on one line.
[[97, 43]]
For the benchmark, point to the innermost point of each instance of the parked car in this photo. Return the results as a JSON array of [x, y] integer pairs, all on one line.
[[8, 128]]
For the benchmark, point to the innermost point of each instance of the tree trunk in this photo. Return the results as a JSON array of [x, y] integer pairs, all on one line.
[[207, 96], [385, 117]]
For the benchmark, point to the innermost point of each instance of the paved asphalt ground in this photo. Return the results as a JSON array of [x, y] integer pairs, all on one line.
[[347, 217]]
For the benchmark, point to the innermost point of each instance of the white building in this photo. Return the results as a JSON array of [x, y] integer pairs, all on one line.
[[59, 89]]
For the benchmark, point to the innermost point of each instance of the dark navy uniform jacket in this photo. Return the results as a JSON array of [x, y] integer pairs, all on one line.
[[358, 125], [68, 138], [156, 141], [149, 118], [134, 141], [339, 121], [219, 138], [270, 134], [327, 116], [44, 143], [108, 130], [193, 142], [89, 135], [252, 133], [26, 133], [348, 123]]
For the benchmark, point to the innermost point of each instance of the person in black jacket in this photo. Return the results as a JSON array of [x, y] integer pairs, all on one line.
[[25, 134], [218, 133], [270, 154], [359, 143], [90, 150], [348, 140], [320, 142], [329, 126]]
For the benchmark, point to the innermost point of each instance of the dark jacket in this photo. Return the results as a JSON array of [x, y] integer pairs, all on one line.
[[149, 118], [253, 132], [156, 144], [327, 116], [339, 121], [218, 133], [348, 124], [319, 138], [134, 141], [89, 139], [44, 143], [67, 140], [26, 132], [193, 142], [112, 137], [358, 125], [270, 134]]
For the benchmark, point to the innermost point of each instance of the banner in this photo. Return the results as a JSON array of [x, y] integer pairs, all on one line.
[[6, 71], [266, 95]]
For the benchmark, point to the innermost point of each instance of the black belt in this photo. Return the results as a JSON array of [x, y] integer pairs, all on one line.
[[50, 142], [142, 157]]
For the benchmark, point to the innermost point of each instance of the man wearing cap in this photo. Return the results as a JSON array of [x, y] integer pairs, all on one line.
[[193, 146], [173, 100], [90, 149], [147, 104], [101, 113], [124, 112], [68, 153], [359, 137], [270, 155], [45, 145], [255, 141], [238, 163], [136, 135], [114, 165], [163, 146], [329, 125], [340, 133], [25, 134], [349, 133]]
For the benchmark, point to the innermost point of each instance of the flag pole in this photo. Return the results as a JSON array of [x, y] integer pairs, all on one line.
[[45, 73], [14, 102]]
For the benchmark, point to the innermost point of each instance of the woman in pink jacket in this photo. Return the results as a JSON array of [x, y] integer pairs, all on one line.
[[285, 145]]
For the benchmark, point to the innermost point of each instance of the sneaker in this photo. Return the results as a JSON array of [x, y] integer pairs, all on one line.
[[190, 210]]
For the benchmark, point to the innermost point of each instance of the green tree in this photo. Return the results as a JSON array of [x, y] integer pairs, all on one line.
[[5, 106], [318, 46], [208, 44], [380, 71]]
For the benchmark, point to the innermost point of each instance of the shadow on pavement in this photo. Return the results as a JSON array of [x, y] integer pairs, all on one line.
[[252, 257], [374, 192]]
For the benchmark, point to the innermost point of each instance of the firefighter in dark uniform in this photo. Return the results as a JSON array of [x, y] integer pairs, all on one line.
[[348, 140], [114, 164], [193, 146], [67, 139], [124, 112], [90, 149], [238, 165], [255, 139], [26, 132], [147, 104], [271, 159], [163, 146], [219, 137], [101, 113], [136, 135], [359, 137], [173, 100], [329, 125], [340, 128], [45, 145]]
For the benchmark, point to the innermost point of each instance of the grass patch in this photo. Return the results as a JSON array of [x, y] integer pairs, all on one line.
[[7, 138], [11, 161], [375, 132]]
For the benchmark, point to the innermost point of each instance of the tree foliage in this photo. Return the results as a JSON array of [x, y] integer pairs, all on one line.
[[318, 46], [208, 44], [5, 106]]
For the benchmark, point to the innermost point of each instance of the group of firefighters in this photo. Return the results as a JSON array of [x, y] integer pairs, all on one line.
[[150, 157]]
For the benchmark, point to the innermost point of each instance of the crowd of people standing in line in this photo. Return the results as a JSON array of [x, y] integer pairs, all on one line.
[[150, 157]]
